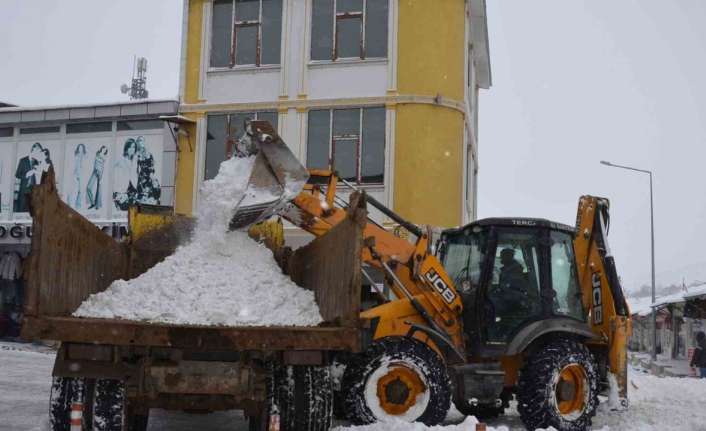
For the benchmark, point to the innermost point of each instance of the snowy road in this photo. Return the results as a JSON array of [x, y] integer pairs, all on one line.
[[656, 403]]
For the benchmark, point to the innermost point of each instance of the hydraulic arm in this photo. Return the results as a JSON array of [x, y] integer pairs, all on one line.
[[411, 271], [602, 295]]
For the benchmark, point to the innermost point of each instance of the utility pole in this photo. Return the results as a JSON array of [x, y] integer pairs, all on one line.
[[652, 243]]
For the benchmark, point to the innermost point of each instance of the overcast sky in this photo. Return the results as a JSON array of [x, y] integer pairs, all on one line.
[[575, 82], [80, 51]]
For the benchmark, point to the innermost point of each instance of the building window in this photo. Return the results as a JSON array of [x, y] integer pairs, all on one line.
[[103, 126], [349, 141], [39, 130], [6, 132], [224, 131], [246, 32], [140, 125], [349, 29]]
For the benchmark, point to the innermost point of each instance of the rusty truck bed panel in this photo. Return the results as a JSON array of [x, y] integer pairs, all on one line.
[[71, 259], [331, 266], [125, 332]]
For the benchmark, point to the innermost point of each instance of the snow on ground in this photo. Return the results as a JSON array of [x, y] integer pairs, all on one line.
[[656, 403], [219, 278], [468, 423], [25, 378]]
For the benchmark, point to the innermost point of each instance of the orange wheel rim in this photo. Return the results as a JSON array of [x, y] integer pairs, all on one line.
[[570, 389], [398, 390]]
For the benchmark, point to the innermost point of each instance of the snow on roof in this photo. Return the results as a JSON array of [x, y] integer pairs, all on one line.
[[696, 292], [643, 306], [13, 108], [640, 306]]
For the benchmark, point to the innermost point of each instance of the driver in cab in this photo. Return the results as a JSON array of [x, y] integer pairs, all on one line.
[[513, 282]]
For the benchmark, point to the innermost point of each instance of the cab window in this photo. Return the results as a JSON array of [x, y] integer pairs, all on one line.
[[462, 256], [567, 295]]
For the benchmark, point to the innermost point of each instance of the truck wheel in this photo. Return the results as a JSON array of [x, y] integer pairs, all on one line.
[[301, 398], [558, 387], [400, 378], [64, 392], [109, 402]]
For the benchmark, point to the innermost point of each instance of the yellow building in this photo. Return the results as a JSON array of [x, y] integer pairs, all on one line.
[[384, 91]]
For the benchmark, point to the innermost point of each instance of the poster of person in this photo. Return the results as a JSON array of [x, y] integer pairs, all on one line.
[[7, 160], [34, 158], [86, 164], [137, 171]]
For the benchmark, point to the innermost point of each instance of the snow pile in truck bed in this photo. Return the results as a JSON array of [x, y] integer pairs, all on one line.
[[219, 278]]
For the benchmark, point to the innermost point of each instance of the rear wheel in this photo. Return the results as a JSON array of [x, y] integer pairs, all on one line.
[[65, 391], [400, 378], [558, 387], [109, 404], [299, 398]]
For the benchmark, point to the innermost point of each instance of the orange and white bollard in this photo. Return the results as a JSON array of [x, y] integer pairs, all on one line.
[[76, 417], [274, 423]]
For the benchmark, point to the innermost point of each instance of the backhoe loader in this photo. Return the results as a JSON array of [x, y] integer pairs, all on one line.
[[496, 309], [504, 307]]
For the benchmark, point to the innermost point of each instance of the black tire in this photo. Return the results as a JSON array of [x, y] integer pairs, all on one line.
[[109, 406], [64, 392], [407, 353], [302, 397], [539, 387]]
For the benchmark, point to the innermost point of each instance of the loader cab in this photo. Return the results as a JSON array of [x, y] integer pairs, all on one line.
[[511, 273]]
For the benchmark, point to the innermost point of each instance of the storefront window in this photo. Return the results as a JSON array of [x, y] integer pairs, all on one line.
[[103, 126]]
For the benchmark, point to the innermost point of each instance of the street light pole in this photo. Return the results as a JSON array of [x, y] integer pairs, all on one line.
[[652, 246]]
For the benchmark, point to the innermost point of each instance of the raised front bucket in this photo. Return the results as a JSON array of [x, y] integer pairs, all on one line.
[[277, 177]]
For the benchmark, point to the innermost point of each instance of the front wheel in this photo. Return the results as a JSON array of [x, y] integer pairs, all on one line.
[[396, 378], [558, 387]]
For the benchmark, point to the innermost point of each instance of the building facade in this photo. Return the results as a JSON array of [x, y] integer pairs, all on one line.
[[383, 91], [105, 157]]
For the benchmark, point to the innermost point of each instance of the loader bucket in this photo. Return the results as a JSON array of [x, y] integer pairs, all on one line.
[[277, 177]]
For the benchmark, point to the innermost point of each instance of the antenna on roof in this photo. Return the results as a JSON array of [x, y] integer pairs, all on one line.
[[138, 89]]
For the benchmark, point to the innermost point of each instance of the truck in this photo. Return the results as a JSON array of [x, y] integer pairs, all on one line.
[[108, 373], [499, 308]]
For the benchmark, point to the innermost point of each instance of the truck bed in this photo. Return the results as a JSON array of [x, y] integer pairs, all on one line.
[[71, 259], [131, 333]]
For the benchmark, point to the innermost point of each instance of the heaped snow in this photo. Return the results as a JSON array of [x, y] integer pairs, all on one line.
[[219, 278], [658, 404]]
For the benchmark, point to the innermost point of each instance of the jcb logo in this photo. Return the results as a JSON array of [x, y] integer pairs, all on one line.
[[597, 299], [440, 286]]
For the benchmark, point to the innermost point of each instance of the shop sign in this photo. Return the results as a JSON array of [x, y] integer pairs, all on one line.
[[21, 233]]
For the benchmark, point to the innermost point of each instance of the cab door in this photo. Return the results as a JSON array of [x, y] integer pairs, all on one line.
[[511, 290]]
